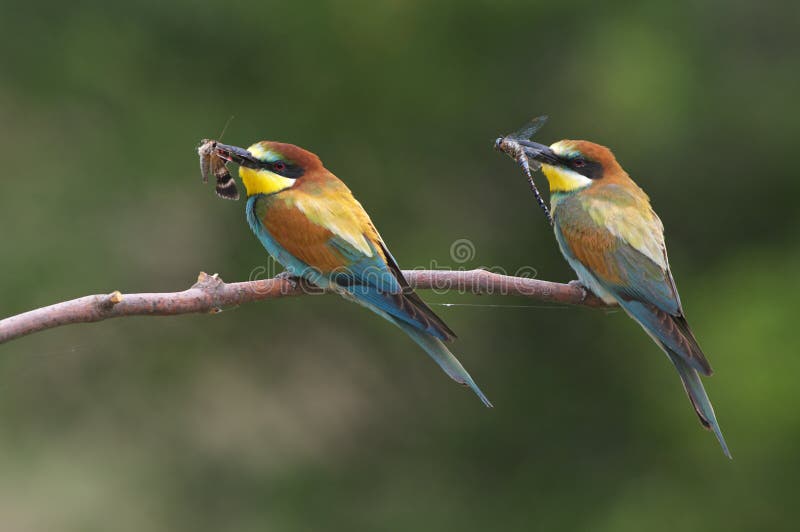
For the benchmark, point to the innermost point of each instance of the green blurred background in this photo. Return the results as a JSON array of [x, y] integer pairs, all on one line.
[[313, 414]]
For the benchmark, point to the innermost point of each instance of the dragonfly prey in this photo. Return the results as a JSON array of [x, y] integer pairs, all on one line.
[[513, 145]]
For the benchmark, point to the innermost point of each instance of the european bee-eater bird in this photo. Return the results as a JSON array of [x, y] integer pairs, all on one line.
[[612, 238], [310, 223]]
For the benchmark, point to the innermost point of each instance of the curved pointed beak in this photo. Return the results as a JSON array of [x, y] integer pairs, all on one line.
[[539, 152], [237, 155]]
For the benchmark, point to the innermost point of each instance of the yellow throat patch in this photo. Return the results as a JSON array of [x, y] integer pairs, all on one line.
[[263, 181], [564, 179]]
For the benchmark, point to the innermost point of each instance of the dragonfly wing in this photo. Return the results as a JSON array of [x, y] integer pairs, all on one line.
[[529, 129]]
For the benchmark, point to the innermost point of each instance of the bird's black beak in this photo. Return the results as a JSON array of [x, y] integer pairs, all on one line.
[[237, 155], [539, 152]]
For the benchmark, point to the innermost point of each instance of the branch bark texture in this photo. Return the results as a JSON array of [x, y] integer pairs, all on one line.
[[210, 295]]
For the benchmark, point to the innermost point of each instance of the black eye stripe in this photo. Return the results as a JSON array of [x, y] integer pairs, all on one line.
[[289, 170], [590, 169]]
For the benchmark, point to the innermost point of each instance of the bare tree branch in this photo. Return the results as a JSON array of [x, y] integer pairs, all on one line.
[[210, 294]]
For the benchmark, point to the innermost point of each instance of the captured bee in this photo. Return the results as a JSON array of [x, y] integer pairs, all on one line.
[[212, 163], [511, 146]]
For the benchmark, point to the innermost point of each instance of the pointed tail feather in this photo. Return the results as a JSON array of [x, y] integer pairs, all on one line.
[[442, 356], [697, 394], [686, 364]]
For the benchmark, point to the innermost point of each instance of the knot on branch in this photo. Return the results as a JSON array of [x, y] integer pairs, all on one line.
[[115, 297], [104, 305], [108, 301], [207, 282], [212, 286]]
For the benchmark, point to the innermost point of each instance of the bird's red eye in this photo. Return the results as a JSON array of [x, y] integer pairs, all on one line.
[[580, 163], [279, 166]]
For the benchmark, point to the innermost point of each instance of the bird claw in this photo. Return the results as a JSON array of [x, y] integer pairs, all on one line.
[[289, 278], [580, 286]]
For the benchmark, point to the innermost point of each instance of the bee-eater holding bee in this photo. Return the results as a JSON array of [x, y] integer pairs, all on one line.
[[612, 238], [310, 223]]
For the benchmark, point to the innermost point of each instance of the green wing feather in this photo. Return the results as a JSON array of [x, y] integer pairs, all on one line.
[[618, 238], [616, 241]]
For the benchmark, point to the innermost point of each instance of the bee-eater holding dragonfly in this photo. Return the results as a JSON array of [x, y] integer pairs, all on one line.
[[310, 223], [612, 238]]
